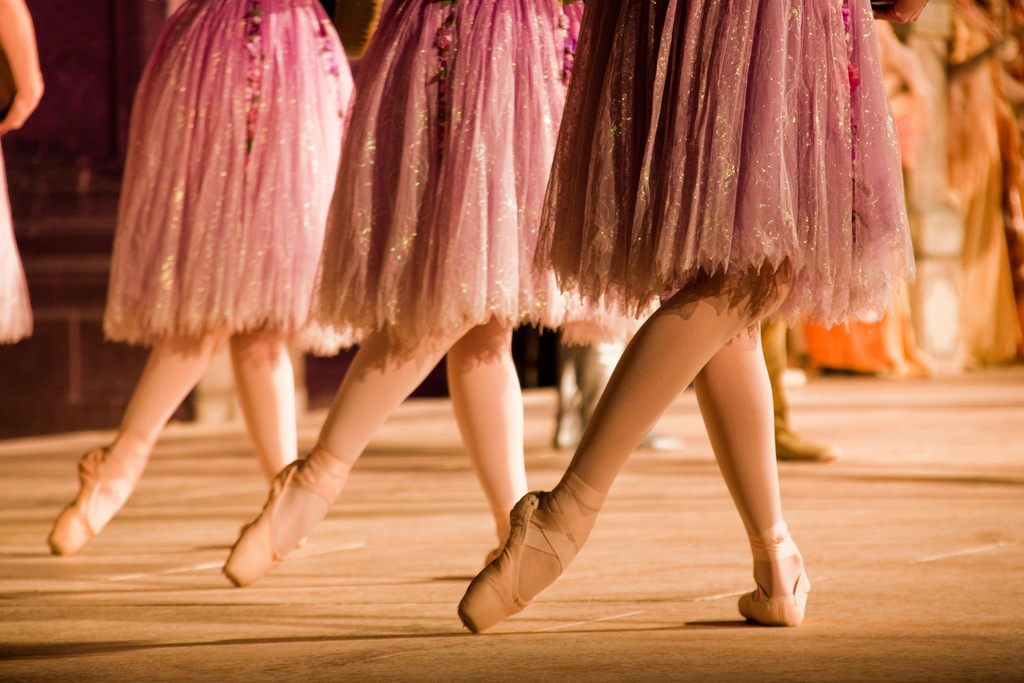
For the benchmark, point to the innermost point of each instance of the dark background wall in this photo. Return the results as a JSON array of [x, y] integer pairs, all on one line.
[[64, 170], [92, 53]]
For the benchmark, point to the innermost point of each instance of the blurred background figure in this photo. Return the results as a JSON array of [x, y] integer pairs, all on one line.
[[584, 370], [21, 87], [789, 444], [985, 174]]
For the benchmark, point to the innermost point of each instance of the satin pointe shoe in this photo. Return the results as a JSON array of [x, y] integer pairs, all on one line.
[[782, 610], [80, 521], [540, 547], [255, 552]]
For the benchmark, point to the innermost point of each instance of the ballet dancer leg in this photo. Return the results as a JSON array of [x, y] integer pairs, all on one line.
[[107, 476], [266, 394], [488, 405], [374, 385], [549, 528], [735, 398]]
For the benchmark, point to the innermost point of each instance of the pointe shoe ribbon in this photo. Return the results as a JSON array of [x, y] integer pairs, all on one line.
[[783, 610], [493, 595], [76, 524], [323, 474], [510, 583], [550, 534]]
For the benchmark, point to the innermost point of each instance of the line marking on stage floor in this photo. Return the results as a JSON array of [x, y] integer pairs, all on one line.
[[719, 596], [380, 657], [220, 563], [175, 570], [196, 495], [592, 621], [736, 594], [352, 545], [968, 551]]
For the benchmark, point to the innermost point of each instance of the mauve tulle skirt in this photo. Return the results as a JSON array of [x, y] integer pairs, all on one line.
[[734, 142], [433, 224], [234, 144], [15, 313]]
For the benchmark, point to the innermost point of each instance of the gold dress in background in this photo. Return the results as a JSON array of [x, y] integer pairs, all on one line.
[[984, 160]]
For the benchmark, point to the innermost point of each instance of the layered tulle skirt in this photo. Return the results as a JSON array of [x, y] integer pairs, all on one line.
[[15, 313], [738, 143], [234, 143], [433, 224]]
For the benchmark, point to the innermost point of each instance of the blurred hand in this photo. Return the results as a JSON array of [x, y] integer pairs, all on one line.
[[25, 102], [900, 11], [18, 40]]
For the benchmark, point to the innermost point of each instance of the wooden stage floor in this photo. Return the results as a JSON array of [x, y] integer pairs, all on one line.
[[913, 539]]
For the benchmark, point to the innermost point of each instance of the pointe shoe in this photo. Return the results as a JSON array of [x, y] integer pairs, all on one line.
[[255, 552], [73, 528], [302, 541], [783, 610], [499, 591]]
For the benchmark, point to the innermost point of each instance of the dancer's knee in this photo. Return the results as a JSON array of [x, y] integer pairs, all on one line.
[[487, 344], [259, 348], [189, 348]]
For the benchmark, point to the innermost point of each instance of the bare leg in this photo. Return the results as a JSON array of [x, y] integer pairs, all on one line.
[[266, 392], [735, 398], [549, 528], [735, 401], [658, 364], [488, 404], [375, 384], [672, 349], [108, 476], [172, 371]]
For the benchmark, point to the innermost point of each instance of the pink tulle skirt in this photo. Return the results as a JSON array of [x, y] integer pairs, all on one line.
[[234, 143], [718, 141], [15, 313], [433, 224]]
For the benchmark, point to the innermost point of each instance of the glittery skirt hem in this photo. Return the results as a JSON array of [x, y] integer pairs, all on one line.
[[706, 140], [234, 140]]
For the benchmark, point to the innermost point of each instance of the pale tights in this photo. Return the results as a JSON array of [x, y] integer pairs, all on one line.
[[266, 389], [488, 407], [717, 349]]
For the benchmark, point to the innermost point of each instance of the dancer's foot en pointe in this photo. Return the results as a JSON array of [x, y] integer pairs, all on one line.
[[104, 486], [302, 494], [782, 585], [548, 529], [107, 476]]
